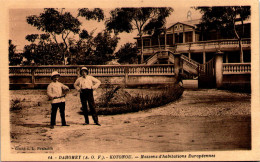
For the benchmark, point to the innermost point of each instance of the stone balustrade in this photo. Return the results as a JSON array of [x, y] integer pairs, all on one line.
[[236, 68], [108, 70], [108, 74]]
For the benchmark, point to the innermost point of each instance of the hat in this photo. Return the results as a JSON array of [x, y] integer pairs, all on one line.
[[83, 68], [54, 73]]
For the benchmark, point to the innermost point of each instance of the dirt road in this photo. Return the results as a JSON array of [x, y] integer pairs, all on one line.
[[200, 120]]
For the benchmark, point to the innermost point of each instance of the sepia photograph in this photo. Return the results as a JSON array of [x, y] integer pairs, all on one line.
[[133, 81]]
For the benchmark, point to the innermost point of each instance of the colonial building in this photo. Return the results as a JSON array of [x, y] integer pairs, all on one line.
[[187, 39], [214, 57]]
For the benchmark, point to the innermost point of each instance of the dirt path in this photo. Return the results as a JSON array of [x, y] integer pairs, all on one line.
[[200, 120]]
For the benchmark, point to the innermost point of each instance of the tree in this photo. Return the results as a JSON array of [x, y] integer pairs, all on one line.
[[32, 37], [60, 24], [127, 53], [105, 46], [225, 19], [93, 50], [141, 19], [80, 49], [14, 58], [43, 51]]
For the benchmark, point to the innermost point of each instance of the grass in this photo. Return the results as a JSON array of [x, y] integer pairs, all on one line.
[[16, 104], [141, 102], [110, 101]]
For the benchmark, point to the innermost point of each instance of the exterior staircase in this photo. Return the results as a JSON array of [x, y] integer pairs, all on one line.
[[190, 67], [152, 59]]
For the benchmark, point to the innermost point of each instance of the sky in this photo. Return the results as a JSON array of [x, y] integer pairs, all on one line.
[[18, 27]]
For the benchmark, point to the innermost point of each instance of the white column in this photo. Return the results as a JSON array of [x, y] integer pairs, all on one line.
[[183, 37], [183, 34], [193, 36], [165, 38], [226, 58], [204, 57], [218, 69]]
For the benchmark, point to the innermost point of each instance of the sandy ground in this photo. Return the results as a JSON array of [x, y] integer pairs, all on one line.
[[200, 120]]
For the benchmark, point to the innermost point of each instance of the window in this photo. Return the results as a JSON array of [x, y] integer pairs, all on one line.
[[178, 37], [169, 39], [146, 42], [139, 43], [188, 37], [180, 27]]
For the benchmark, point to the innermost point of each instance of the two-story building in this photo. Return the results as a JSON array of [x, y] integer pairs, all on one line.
[[214, 57], [186, 38]]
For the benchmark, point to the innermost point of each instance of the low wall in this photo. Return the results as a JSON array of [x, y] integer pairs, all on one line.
[[237, 81], [132, 81], [127, 76]]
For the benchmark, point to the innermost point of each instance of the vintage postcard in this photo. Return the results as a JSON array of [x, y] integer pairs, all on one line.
[[130, 80]]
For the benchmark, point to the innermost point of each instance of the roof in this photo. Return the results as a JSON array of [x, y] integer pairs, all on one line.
[[191, 23]]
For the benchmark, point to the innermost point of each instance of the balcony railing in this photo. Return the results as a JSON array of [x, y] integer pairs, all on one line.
[[213, 45], [236, 68]]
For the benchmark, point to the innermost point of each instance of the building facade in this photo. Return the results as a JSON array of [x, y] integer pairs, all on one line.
[[187, 39], [213, 57]]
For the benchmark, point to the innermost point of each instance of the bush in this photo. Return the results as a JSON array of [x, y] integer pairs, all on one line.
[[16, 104], [105, 99], [140, 102], [169, 94]]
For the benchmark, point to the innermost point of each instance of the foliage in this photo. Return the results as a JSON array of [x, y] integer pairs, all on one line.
[[224, 19], [105, 47], [84, 34], [14, 58], [141, 102], [15, 104], [43, 51], [93, 50], [55, 22], [44, 54], [81, 49], [59, 25], [170, 93], [95, 14], [32, 37], [105, 99], [127, 53], [142, 19]]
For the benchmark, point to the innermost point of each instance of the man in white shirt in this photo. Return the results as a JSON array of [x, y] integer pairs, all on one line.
[[85, 86], [55, 92]]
